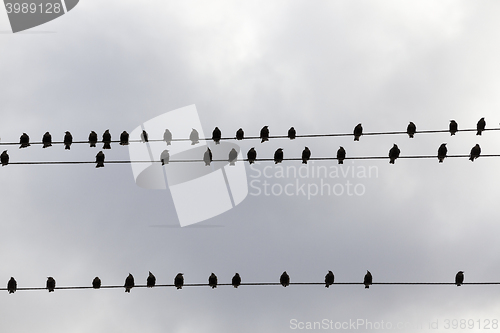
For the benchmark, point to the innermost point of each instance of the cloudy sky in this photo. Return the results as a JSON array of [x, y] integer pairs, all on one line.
[[321, 66]]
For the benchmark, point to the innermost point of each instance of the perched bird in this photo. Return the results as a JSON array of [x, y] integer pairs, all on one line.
[[92, 138], [68, 140], [233, 155], [278, 156], [165, 157], [411, 129], [251, 155], [96, 283], [475, 152], [144, 136], [459, 278], [285, 279], [167, 136], [236, 281], [51, 284], [151, 281], [207, 157], [24, 140], [453, 127], [47, 140], [12, 285], [306, 155], [264, 134], [329, 279], [179, 280], [341, 155], [481, 124], [292, 133], [240, 134], [442, 151], [216, 135], [4, 158], [394, 153], [124, 138], [129, 283], [358, 131], [212, 281], [368, 279], [106, 139], [99, 159], [194, 137]]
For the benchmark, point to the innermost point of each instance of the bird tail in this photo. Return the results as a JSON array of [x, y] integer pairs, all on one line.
[[304, 161], [411, 136], [251, 162], [168, 143], [391, 161], [99, 165], [92, 144], [367, 286], [471, 158], [341, 162], [356, 138], [478, 133], [67, 147]]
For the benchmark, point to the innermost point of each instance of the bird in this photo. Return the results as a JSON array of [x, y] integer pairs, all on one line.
[[24, 140], [240, 134], [106, 139], [47, 140], [68, 140], [306, 155], [12, 285], [51, 284], [194, 137], [96, 283], [292, 133], [251, 155], [129, 283], [236, 281], [167, 136], [411, 129], [442, 151], [285, 279], [481, 124], [124, 138], [459, 278], [207, 157], [92, 138], [151, 281], [278, 156], [179, 281], [341, 155], [216, 135], [144, 136], [164, 157], [475, 152], [368, 279], [233, 155], [394, 153], [358, 131], [212, 281], [99, 159], [329, 279], [4, 158], [453, 127], [264, 134]]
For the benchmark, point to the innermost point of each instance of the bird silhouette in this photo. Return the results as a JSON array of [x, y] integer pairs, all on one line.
[[194, 137], [475, 152], [264, 134], [358, 131], [292, 133], [212, 281], [106, 139], [240, 134], [236, 281], [92, 138], [233, 155], [129, 283], [51, 284], [207, 157], [306, 155], [251, 155], [151, 281], [124, 138], [99, 159], [4, 158], [411, 129], [278, 156], [12, 285], [285, 279], [481, 124], [368, 279], [96, 283], [68, 140], [167, 137], [453, 127], [179, 281], [24, 141], [164, 157], [329, 279], [216, 135], [144, 136], [394, 153], [47, 140], [442, 151], [459, 278], [341, 155]]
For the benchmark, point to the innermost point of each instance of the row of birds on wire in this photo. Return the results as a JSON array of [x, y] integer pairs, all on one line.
[[212, 281]]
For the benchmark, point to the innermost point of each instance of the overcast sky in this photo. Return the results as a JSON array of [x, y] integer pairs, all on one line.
[[320, 66]]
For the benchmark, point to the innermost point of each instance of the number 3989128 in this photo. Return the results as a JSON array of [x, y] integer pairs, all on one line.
[[45, 8]]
